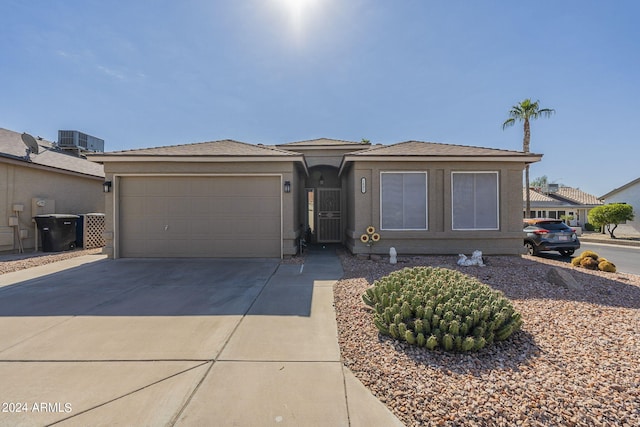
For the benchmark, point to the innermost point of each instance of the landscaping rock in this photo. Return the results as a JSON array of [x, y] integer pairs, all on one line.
[[561, 277]]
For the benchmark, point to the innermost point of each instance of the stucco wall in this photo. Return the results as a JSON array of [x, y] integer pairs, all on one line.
[[631, 196], [73, 194], [439, 238]]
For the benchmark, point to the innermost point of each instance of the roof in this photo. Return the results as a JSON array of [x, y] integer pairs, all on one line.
[[49, 157], [536, 196], [225, 148], [435, 149], [623, 187], [564, 195], [578, 196], [323, 142]]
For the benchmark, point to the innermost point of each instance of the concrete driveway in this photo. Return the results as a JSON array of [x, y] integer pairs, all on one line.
[[176, 342]]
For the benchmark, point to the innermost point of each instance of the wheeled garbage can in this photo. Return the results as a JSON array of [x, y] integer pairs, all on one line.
[[57, 231]]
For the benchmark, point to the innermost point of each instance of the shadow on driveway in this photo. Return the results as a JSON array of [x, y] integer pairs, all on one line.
[[172, 287]]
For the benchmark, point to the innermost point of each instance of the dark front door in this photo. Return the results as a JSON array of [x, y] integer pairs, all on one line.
[[329, 220]]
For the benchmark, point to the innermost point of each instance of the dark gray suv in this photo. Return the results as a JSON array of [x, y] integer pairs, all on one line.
[[548, 234]]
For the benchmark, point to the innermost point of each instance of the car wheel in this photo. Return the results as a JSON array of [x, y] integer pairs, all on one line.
[[530, 249], [567, 252]]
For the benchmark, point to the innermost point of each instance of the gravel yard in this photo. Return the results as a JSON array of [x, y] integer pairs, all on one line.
[[15, 262], [575, 362]]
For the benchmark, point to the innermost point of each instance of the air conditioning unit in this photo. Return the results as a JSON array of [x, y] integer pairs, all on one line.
[[552, 188], [76, 140]]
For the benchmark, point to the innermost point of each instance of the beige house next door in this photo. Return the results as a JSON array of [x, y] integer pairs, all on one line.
[[199, 216]]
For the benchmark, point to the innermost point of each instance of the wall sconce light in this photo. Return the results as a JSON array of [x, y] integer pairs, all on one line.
[[321, 179], [287, 186], [363, 185], [106, 187]]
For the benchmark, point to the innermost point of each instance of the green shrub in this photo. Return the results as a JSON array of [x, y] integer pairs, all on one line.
[[437, 307], [590, 227]]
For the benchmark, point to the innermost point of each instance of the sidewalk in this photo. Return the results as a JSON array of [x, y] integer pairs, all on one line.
[[595, 237]]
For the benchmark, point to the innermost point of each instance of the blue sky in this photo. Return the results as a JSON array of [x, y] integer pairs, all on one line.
[[148, 73]]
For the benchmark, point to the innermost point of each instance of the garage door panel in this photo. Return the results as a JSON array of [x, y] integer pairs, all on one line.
[[181, 216]]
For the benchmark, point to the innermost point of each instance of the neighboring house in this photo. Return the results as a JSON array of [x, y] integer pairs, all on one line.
[[630, 194], [51, 181], [558, 201], [233, 199]]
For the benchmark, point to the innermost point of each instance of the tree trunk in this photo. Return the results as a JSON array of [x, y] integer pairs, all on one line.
[[527, 136], [525, 148]]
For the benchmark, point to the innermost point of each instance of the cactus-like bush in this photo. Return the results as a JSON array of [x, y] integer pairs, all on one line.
[[591, 260], [440, 308], [607, 266], [589, 254], [589, 263]]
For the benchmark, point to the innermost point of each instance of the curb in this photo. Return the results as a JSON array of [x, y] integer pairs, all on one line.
[[620, 242]]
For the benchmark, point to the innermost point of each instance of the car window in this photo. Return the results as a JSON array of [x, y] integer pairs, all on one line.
[[554, 226]]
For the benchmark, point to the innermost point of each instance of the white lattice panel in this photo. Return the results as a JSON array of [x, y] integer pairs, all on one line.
[[93, 230]]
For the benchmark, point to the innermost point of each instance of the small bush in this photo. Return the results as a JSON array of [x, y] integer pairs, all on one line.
[[437, 307], [591, 261], [607, 266], [589, 254]]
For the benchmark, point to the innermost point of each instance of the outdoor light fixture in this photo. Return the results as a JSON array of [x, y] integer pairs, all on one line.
[[321, 179], [363, 185], [287, 186], [106, 187]]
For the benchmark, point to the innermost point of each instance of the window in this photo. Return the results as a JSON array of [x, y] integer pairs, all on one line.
[[474, 200], [403, 200]]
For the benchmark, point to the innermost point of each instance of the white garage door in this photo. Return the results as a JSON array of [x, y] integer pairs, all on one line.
[[189, 216]]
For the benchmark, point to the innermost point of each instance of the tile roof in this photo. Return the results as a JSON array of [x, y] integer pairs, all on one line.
[[566, 195], [578, 196], [419, 148], [12, 147], [322, 142], [536, 196], [222, 148]]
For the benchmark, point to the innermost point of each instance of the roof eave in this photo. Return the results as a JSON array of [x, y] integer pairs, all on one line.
[[24, 163]]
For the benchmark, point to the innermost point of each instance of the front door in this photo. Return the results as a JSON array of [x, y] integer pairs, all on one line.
[[329, 222]]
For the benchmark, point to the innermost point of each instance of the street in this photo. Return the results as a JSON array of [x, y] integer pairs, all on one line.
[[626, 258]]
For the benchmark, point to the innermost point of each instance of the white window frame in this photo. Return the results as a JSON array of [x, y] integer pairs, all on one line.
[[497, 174], [426, 207]]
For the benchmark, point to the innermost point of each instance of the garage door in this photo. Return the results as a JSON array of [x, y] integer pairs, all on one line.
[[189, 216]]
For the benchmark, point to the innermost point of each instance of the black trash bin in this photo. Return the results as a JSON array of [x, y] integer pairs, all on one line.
[[57, 231]]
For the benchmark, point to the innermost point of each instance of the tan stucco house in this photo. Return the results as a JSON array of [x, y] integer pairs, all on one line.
[[51, 181], [233, 199]]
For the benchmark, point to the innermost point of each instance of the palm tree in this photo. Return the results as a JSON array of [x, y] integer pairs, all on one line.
[[525, 111]]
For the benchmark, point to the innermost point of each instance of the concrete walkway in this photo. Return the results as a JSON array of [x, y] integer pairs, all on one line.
[[90, 341]]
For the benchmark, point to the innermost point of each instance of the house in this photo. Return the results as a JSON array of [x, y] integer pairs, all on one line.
[[557, 201], [234, 199], [630, 194], [49, 181]]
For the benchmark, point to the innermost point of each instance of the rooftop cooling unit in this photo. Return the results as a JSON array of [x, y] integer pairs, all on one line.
[[76, 140], [552, 188]]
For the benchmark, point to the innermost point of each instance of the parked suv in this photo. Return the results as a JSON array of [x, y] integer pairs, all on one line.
[[548, 234]]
